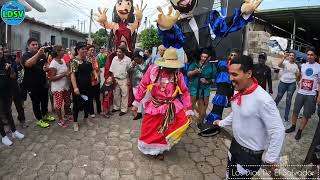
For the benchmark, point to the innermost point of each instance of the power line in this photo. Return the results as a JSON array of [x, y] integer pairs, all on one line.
[[73, 12], [68, 3], [154, 11], [94, 22]]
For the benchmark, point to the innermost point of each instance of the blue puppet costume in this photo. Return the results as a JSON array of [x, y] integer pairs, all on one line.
[[224, 92], [196, 32]]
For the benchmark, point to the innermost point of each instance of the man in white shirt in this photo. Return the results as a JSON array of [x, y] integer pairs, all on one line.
[[307, 93], [119, 68], [255, 121]]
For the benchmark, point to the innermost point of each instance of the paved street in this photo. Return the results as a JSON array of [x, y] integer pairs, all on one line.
[[108, 150]]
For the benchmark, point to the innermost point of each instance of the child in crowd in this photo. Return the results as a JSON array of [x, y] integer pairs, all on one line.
[[106, 94], [138, 68]]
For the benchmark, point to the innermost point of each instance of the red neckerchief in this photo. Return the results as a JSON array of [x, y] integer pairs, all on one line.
[[229, 63], [250, 90]]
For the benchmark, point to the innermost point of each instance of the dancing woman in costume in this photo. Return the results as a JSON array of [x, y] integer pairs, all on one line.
[[166, 118]]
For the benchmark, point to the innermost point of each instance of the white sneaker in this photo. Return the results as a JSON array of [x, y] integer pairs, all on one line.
[[93, 115], [6, 141], [17, 135], [75, 127]]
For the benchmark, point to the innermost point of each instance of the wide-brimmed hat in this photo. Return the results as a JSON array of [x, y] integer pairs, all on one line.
[[170, 59]]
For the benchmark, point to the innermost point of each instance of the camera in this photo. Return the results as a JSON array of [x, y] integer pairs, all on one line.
[[48, 49]]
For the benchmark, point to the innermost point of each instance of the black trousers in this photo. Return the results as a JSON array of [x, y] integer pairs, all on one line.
[[39, 98], [95, 96], [23, 92], [6, 113], [79, 104], [248, 159], [226, 90], [18, 101]]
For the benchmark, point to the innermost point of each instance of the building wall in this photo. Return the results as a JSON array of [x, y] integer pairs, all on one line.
[[70, 37], [21, 33]]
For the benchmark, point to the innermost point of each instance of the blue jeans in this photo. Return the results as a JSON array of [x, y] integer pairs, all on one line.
[[282, 89]]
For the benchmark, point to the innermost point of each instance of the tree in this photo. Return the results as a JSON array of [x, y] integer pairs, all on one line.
[[100, 38], [149, 38]]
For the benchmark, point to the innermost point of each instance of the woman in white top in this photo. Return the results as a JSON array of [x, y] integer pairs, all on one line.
[[60, 84], [288, 81]]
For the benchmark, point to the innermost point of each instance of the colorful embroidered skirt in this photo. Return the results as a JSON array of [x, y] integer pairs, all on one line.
[[152, 142]]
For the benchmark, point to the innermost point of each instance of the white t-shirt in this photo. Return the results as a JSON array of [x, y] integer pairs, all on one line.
[[63, 83], [310, 74], [289, 72], [120, 68]]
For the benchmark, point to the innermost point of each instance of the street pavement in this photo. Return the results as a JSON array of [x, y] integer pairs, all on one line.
[[108, 150]]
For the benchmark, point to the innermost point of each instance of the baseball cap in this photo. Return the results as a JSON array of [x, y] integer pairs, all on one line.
[[80, 45], [138, 53], [262, 55]]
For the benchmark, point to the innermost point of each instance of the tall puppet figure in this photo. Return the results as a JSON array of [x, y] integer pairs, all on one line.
[[223, 95], [200, 31], [196, 32], [126, 20]]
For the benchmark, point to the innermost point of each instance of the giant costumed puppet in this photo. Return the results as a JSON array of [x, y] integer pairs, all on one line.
[[125, 22], [126, 19], [196, 32]]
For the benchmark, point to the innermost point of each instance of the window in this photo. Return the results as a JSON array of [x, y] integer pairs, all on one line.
[[17, 42], [64, 42], [73, 42], [35, 34]]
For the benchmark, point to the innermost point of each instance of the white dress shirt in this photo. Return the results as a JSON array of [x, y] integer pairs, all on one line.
[[257, 123]]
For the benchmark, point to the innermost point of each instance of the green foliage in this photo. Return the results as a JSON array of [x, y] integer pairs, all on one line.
[[100, 38], [149, 38]]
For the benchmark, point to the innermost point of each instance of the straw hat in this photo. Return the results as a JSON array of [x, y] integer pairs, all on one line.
[[170, 59]]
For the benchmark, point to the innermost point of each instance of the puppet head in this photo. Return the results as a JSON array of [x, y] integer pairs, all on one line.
[[123, 11], [184, 6]]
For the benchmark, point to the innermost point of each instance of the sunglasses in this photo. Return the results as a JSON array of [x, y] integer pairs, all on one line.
[[233, 55]]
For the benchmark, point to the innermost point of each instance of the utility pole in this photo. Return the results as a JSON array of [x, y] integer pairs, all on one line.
[[90, 25], [78, 24], [145, 22], [81, 26], [91, 14], [84, 26], [6, 35]]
